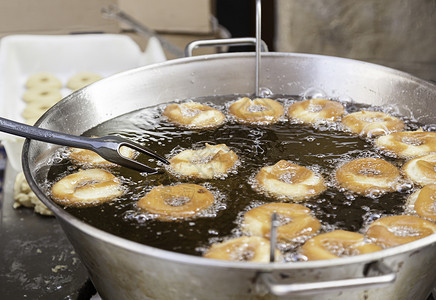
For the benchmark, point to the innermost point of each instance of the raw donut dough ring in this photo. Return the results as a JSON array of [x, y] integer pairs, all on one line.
[[421, 170], [82, 79], [246, 248], [335, 244], [194, 115], [290, 181], [43, 79], [42, 95], [315, 110], [372, 123], [424, 202], [181, 201], [408, 229], [205, 163], [365, 176], [86, 188], [408, 144], [296, 221], [261, 111]]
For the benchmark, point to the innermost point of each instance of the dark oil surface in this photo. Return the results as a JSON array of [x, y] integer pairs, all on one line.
[[321, 149]]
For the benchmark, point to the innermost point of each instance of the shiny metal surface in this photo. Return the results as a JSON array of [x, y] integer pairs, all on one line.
[[121, 269]]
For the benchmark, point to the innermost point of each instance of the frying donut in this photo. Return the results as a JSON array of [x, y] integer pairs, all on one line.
[[88, 158], [408, 144], [42, 95], [246, 248], [43, 79], [397, 230], [206, 163], [316, 110], [421, 170], [424, 202], [368, 176], [291, 181], [82, 79], [295, 221], [174, 202], [261, 111], [335, 244], [86, 188], [372, 123], [194, 115]]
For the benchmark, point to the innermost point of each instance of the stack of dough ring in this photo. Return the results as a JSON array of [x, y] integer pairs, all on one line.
[[87, 188], [397, 230], [408, 144], [291, 181], [260, 111], [246, 248], [335, 244], [206, 163], [82, 79], [295, 221], [372, 123], [368, 176], [194, 115], [316, 110], [88, 158], [424, 202], [174, 202], [421, 170], [43, 91]]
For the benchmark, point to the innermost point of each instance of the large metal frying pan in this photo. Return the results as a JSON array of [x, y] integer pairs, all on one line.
[[121, 269]]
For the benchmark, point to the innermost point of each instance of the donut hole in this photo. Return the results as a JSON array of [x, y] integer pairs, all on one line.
[[177, 201], [188, 111], [339, 249], [368, 171], [412, 141], [372, 119], [404, 231], [257, 108], [244, 252], [315, 108], [288, 177], [283, 220], [200, 159]]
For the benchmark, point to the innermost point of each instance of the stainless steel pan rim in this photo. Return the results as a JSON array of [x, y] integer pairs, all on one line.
[[188, 259]]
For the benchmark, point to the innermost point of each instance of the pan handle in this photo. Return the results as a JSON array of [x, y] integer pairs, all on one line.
[[222, 42], [385, 276]]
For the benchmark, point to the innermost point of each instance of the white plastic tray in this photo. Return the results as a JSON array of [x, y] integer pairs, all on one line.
[[64, 56]]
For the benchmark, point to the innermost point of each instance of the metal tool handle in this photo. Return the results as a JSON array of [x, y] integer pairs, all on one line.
[[223, 42], [385, 277], [45, 135]]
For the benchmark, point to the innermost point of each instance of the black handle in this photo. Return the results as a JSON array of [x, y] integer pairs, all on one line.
[[45, 135]]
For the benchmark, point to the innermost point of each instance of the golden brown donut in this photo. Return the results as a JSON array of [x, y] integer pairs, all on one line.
[[424, 202], [42, 95], [335, 244], [206, 163], [397, 230], [88, 158], [291, 181], [366, 176], [246, 248], [43, 79], [295, 221], [82, 79], [174, 202], [260, 111], [316, 110], [86, 188], [408, 144], [194, 115], [372, 123], [421, 170]]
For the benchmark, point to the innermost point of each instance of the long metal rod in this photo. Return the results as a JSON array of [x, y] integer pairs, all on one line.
[[258, 44], [273, 237]]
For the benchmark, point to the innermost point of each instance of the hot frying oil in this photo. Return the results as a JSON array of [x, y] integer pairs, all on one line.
[[321, 148]]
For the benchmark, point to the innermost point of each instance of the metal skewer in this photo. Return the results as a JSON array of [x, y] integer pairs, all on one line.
[[258, 44], [273, 237]]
